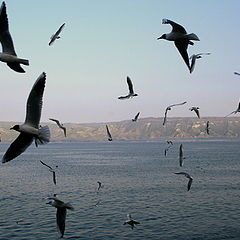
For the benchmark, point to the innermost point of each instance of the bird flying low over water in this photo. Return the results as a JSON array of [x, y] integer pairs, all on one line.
[[236, 111], [60, 125], [109, 134], [130, 221], [99, 185], [8, 54], [194, 57], [51, 170], [136, 117], [30, 129], [181, 39], [196, 110], [181, 155], [61, 212], [187, 176], [131, 92], [56, 36], [207, 127], [170, 108]]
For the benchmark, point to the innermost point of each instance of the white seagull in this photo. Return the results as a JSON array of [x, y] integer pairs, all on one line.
[[130, 221], [109, 134], [194, 57], [61, 212], [56, 35], [170, 108], [236, 111], [131, 92], [187, 176], [51, 170], [196, 110], [30, 129], [181, 39], [8, 54], [60, 125], [136, 117]]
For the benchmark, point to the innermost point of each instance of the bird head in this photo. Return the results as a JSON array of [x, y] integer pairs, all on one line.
[[162, 37], [15, 127]]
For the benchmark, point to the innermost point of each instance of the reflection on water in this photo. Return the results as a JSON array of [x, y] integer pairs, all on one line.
[[137, 179]]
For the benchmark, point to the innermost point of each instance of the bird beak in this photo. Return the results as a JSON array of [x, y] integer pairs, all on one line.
[[160, 38], [48, 202], [11, 128]]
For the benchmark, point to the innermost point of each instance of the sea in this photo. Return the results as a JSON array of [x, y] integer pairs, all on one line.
[[137, 179]]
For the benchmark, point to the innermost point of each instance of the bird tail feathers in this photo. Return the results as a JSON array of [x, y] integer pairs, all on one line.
[[44, 135], [23, 61], [193, 36], [69, 206]]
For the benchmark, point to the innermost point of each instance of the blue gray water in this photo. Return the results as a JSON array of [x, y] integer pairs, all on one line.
[[137, 179]]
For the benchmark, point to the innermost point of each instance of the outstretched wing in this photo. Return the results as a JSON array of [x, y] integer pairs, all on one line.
[[130, 85], [189, 183], [34, 102], [176, 104], [175, 26], [5, 37], [61, 217], [165, 116], [55, 120], [182, 48], [46, 165], [20, 144], [108, 132]]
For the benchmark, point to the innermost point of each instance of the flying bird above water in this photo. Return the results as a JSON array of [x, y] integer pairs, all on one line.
[[181, 39], [236, 111], [61, 212], [130, 221], [8, 54], [60, 125], [30, 129], [170, 108], [99, 185], [187, 176], [207, 127], [136, 117], [131, 92], [56, 36], [196, 110], [51, 170], [194, 57], [109, 134]]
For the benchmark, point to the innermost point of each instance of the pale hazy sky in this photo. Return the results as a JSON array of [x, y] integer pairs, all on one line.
[[105, 41]]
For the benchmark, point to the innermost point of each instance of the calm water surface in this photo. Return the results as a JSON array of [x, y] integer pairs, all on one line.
[[137, 179]]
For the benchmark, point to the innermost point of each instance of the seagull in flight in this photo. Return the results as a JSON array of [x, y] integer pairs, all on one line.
[[196, 110], [136, 117], [30, 129], [194, 57], [99, 185], [236, 73], [60, 125], [187, 176], [8, 54], [170, 108], [130, 221], [181, 39], [181, 155], [56, 36], [207, 127], [170, 143], [109, 134], [131, 92], [236, 111], [61, 212], [51, 170]]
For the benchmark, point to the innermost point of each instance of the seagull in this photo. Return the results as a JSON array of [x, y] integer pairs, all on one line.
[[181, 155], [60, 126], [51, 170], [109, 134], [136, 117], [30, 129], [181, 39], [170, 108], [236, 111], [56, 35], [61, 212], [170, 142], [194, 57], [8, 54], [99, 185], [130, 221], [207, 127], [236, 73], [131, 92], [187, 176], [196, 110]]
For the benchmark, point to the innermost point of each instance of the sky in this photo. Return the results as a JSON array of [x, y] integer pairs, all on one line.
[[105, 41]]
